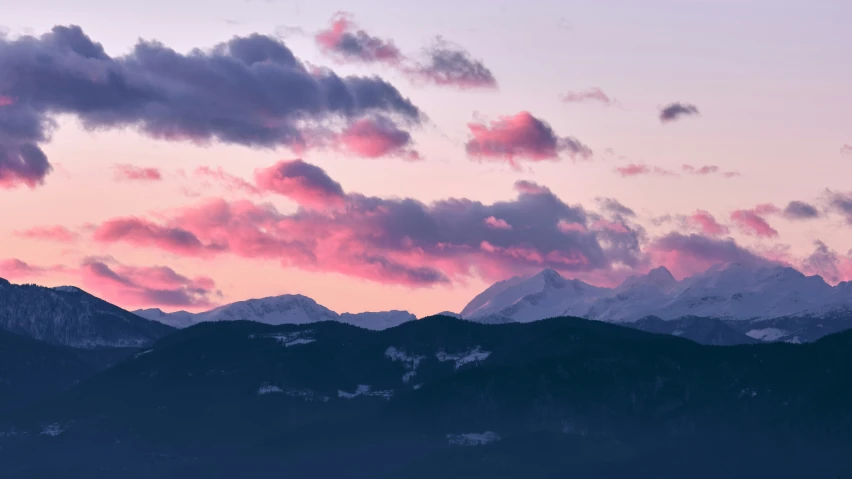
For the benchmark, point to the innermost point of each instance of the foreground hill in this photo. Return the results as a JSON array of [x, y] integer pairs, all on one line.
[[71, 317], [449, 398]]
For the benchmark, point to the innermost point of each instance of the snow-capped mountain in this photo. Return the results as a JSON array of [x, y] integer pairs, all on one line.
[[544, 295], [285, 309], [730, 292], [69, 316]]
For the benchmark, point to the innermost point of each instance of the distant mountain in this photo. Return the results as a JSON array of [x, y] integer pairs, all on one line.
[[177, 319], [275, 310], [69, 316], [731, 292], [545, 295], [442, 397]]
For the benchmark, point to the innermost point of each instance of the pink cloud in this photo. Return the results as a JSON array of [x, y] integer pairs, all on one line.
[[135, 173], [766, 209], [230, 182], [497, 223], [399, 241], [708, 170], [131, 286], [6, 101], [345, 41], [16, 269], [707, 223], [592, 94], [634, 169], [302, 182], [567, 228], [141, 232], [846, 150], [51, 233], [750, 222], [376, 137], [521, 137]]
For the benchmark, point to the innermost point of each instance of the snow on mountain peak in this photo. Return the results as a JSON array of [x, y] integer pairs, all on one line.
[[525, 300], [737, 290], [284, 309]]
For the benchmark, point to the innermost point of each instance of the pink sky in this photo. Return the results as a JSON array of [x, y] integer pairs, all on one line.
[[375, 161]]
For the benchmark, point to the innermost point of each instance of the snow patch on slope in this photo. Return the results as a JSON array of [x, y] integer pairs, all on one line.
[[473, 438], [288, 339], [364, 390], [767, 334], [474, 355], [269, 389], [410, 362]]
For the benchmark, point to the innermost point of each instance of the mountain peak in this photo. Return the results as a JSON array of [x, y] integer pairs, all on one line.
[[551, 277], [661, 276]]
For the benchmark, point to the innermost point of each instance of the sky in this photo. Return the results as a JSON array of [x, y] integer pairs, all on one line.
[[378, 155]]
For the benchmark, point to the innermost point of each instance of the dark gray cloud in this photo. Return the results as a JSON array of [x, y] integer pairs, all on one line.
[[452, 65], [704, 249], [840, 203], [799, 210], [250, 91], [677, 110], [615, 207]]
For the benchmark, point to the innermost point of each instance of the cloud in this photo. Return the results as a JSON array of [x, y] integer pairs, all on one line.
[[634, 169], [840, 203], [592, 94], [230, 182], [302, 182], [750, 222], [249, 91], [521, 137], [799, 210], [400, 240], [827, 263], [377, 137], [141, 232], [708, 170], [615, 207], [846, 150], [685, 255], [131, 286], [707, 223], [56, 233], [677, 110], [16, 269], [452, 65], [135, 173], [344, 41], [497, 223]]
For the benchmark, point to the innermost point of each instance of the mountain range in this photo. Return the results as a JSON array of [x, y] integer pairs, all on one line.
[[729, 303], [514, 386], [285, 309]]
